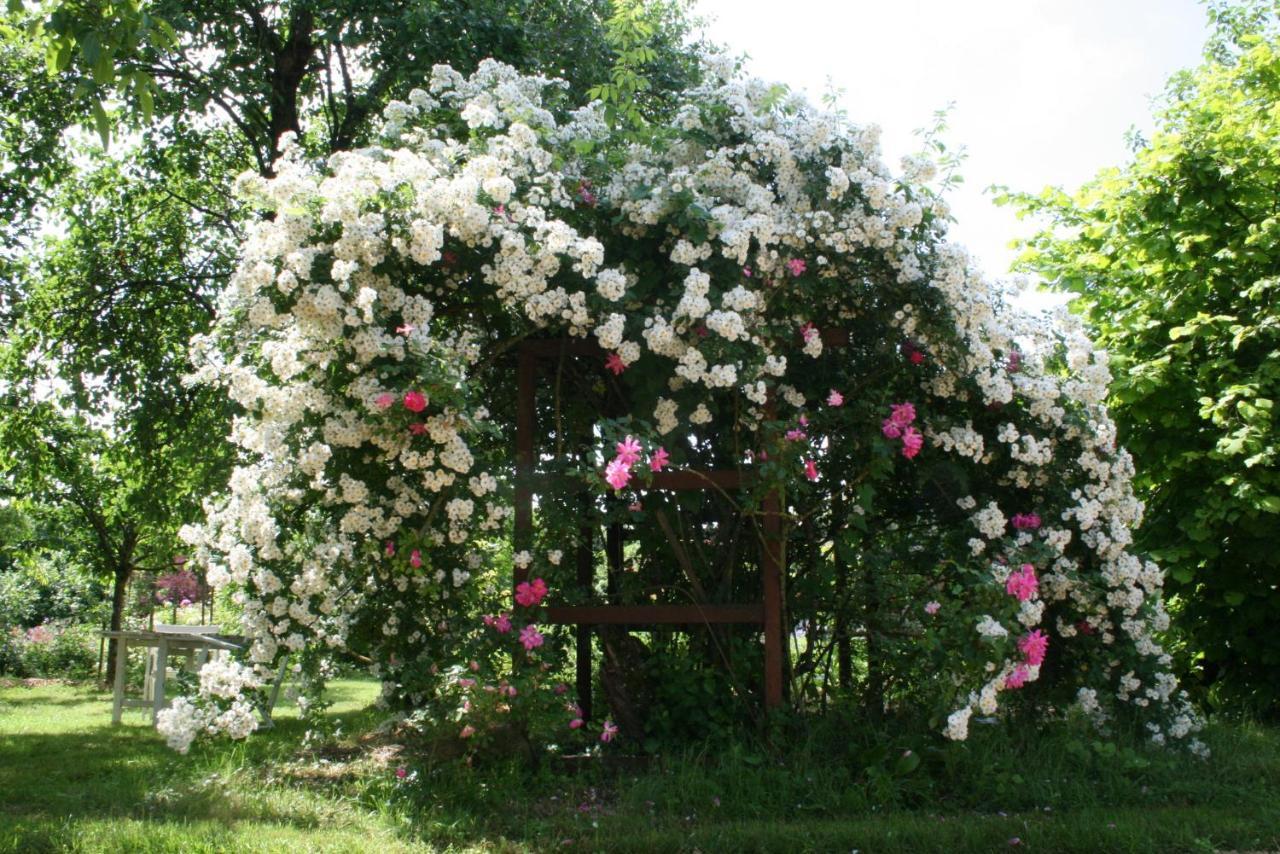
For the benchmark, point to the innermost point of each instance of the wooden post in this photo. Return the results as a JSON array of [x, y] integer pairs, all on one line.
[[162, 670], [122, 662], [582, 632], [771, 580], [526, 406]]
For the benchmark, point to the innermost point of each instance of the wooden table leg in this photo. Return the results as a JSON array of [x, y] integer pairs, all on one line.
[[122, 663], [162, 668]]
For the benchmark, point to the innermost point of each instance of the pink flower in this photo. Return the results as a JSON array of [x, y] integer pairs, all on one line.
[[384, 400], [464, 682], [1033, 645], [1025, 521], [628, 451], [405, 330], [796, 435], [614, 363], [932, 608], [561, 688], [912, 442], [916, 357], [746, 271], [390, 548], [415, 558], [617, 474], [902, 414], [576, 723], [890, 428], [660, 460], [501, 623], [1014, 364], [808, 332], [401, 773], [810, 469], [415, 401], [474, 665], [417, 428], [1022, 584], [528, 594], [1017, 678], [835, 398], [610, 730], [530, 637], [467, 731], [796, 266]]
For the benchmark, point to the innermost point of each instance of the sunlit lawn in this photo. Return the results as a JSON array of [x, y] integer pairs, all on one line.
[[71, 781]]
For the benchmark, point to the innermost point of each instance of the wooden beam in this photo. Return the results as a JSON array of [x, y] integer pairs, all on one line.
[[656, 615]]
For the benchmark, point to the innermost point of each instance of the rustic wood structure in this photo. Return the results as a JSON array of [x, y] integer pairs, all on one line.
[[766, 613]]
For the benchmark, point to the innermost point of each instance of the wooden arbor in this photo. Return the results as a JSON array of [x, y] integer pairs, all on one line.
[[766, 613]]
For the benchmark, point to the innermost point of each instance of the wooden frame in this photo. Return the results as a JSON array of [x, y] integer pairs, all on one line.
[[767, 613]]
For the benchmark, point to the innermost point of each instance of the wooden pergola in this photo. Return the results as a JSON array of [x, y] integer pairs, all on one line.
[[765, 613]]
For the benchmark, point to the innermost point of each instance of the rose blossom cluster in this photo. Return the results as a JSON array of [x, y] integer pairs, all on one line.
[[363, 404]]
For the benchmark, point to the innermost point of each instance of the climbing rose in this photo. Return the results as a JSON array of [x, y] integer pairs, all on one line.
[[912, 442], [610, 730], [835, 398], [1023, 583], [659, 460], [415, 559], [932, 608], [614, 363], [528, 594], [501, 623], [467, 731], [530, 637], [390, 548], [1033, 645], [1017, 678], [628, 452], [810, 470], [902, 414], [385, 400], [1025, 522], [617, 474], [796, 266], [575, 723], [415, 401]]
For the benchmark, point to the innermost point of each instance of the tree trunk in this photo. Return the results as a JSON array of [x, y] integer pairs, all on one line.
[[291, 63], [120, 589]]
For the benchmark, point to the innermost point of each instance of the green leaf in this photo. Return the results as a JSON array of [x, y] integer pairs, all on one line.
[[103, 123]]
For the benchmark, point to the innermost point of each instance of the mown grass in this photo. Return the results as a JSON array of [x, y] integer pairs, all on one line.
[[69, 781]]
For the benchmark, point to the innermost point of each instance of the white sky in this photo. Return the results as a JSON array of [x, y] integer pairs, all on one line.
[[1044, 90]]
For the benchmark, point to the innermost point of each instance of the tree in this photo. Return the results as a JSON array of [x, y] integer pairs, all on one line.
[[145, 236], [1175, 262]]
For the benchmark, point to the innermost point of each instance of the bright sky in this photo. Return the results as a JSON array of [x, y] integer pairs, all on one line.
[[1044, 90]]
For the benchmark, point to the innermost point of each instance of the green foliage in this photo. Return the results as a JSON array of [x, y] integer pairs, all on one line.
[[1174, 260], [58, 649]]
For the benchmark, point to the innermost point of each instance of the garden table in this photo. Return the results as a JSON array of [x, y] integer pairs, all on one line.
[[164, 643]]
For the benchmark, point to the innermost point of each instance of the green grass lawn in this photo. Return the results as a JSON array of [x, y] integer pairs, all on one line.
[[71, 781]]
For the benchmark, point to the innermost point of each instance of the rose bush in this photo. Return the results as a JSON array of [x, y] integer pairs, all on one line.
[[769, 295]]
